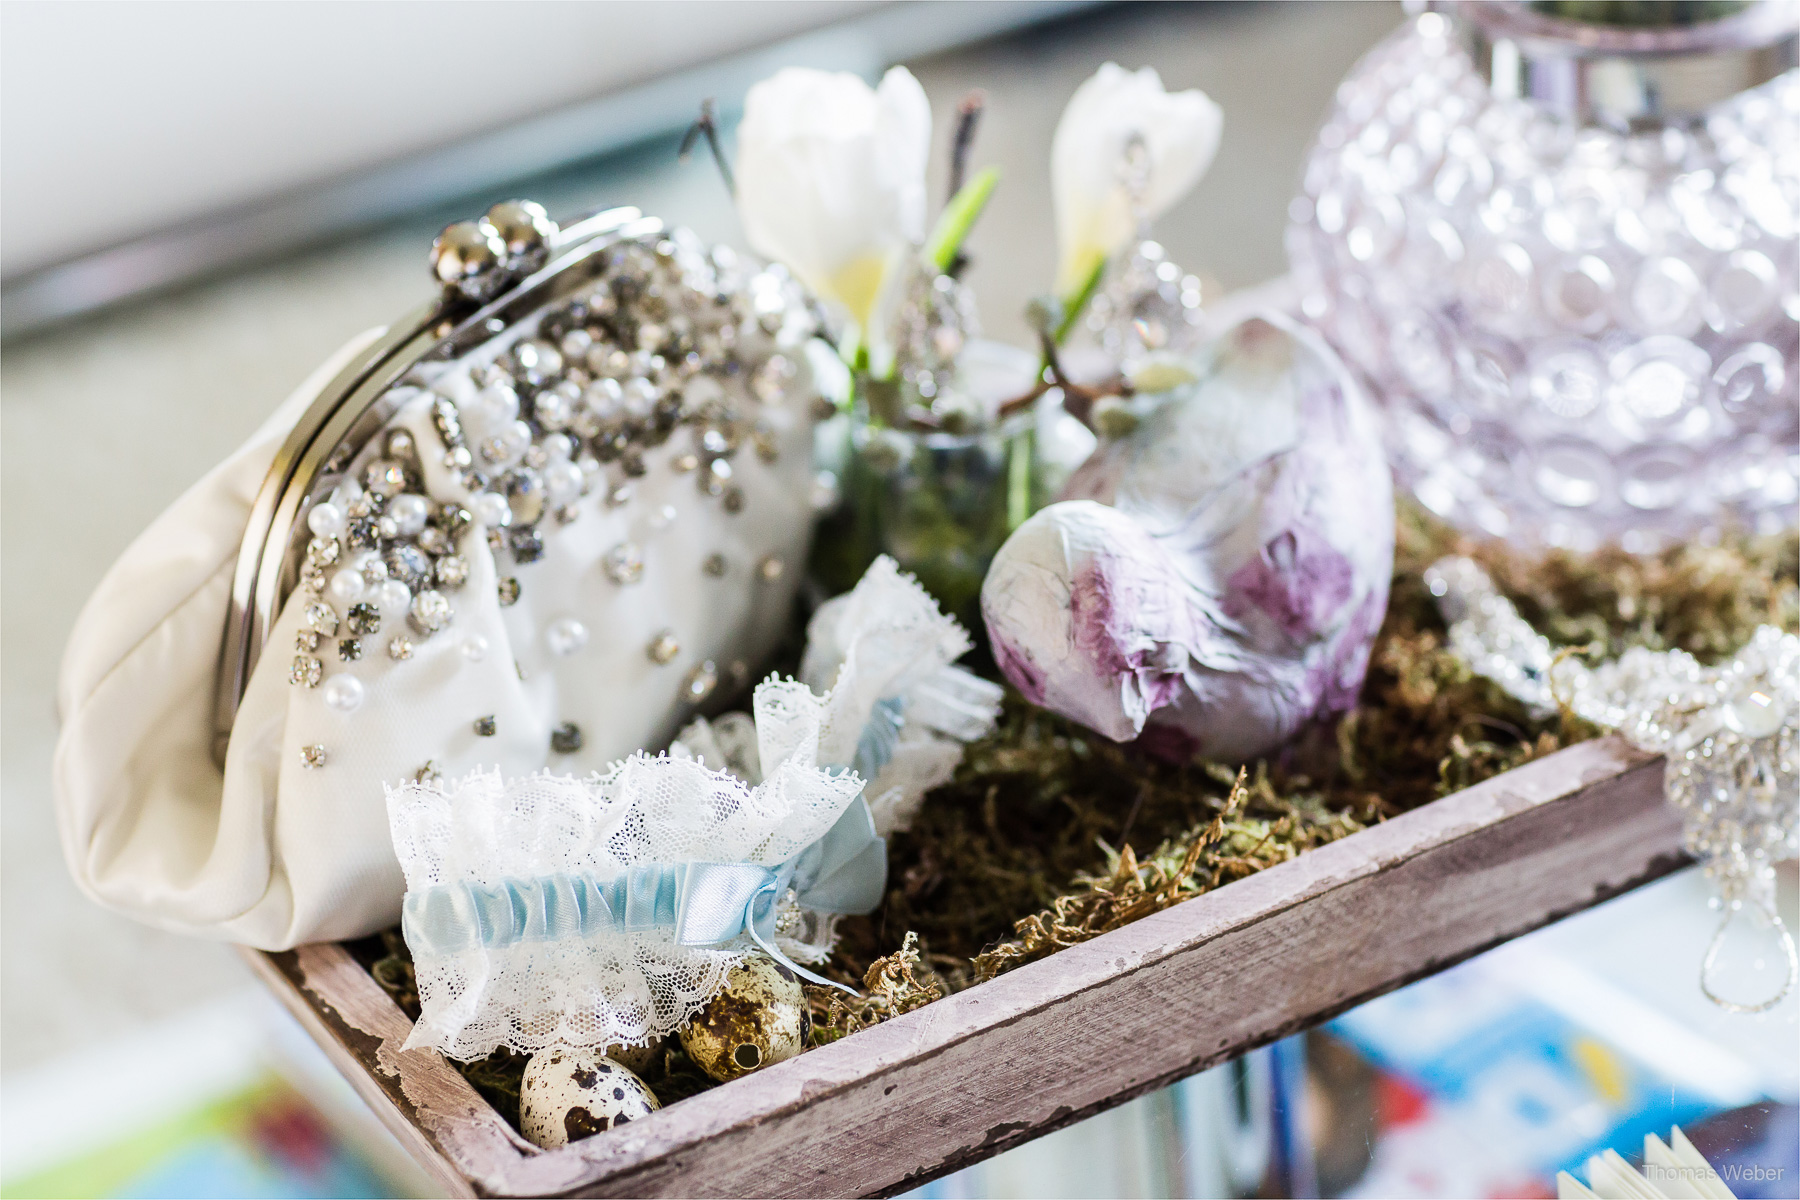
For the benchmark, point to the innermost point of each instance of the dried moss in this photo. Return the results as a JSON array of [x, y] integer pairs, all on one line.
[[394, 972], [894, 984], [1034, 845], [1425, 725], [1043, 812], [1043, 805], [497, 1077], [1699, 598], [1231, 846], [675, 1076]]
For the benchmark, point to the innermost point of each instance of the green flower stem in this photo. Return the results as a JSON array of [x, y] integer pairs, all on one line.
[[882, 399], [855, 354], [1075, 304], [958, 217], [1021, 451]]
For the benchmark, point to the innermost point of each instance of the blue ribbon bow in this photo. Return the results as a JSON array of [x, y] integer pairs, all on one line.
[[706, 904]]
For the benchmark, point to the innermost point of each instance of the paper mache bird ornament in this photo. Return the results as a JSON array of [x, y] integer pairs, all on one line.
[[1213, 577]]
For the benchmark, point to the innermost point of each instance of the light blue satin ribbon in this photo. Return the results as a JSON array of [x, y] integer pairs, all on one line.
[[880, 736], [706, 904]]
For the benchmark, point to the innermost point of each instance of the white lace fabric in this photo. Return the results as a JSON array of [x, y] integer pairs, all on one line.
[[884, 640], [781, 788]]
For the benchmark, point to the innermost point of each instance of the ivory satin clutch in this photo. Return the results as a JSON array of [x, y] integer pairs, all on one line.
[[536, 524]]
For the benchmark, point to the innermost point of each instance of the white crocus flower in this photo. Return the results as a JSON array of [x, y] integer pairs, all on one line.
[[831, 182], [1092, 173]]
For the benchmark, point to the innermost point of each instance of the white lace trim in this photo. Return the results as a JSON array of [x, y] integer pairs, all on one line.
[[888, 637], [884, 639], [624, 989]]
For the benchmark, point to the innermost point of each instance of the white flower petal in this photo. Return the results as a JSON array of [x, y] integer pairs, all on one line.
[[831, 180], [1094, 217], [903, 138]]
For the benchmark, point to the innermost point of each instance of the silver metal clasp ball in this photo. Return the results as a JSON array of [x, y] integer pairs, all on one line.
[[469, 258], [526, 230], [478, 259]]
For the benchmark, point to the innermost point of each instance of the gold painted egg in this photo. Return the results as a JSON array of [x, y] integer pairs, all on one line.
[[759, 1018], [568, 1094]]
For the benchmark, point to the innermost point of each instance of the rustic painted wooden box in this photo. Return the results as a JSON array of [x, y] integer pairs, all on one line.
[[994, 1066]]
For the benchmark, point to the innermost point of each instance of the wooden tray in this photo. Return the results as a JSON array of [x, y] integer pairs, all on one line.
[[1060, 1039]]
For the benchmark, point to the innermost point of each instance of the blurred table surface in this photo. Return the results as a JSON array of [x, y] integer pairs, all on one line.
[[106, 421]]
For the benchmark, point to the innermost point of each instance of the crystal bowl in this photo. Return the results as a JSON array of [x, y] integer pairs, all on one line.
[[1563, 257]]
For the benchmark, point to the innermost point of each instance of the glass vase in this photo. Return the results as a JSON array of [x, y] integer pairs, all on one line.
[[1563, 257], [940, 503]]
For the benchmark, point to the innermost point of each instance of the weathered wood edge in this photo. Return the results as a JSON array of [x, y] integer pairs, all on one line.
[[425, 1102], [658, 1155]]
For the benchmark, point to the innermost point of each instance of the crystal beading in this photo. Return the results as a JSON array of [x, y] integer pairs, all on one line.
[[1730, 733], [671, 341]]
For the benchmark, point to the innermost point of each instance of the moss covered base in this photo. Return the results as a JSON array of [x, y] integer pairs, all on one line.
[[1050, 834]]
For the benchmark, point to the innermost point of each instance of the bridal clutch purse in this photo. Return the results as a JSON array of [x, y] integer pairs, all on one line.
[[533, 526]]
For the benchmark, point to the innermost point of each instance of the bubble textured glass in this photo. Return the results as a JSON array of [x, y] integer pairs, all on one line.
[[1580, 332]]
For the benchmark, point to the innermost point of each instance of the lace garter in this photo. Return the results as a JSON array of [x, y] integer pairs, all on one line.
[[607, 910]]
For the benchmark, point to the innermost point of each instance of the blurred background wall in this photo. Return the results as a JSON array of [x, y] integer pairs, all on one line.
[[146, 144], [123, 118]]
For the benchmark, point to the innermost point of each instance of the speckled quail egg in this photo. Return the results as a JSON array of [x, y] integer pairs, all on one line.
[[640, 1059], [759, 1018], [568, 1094]]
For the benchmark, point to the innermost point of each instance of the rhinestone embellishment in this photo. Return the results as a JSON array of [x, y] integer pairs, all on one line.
[[322, 551], [321, 618], [430, 612], [663, 647], [624, 563], [306, 671], [452, 571], [663, 361], [700, 682], [364, 619]]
